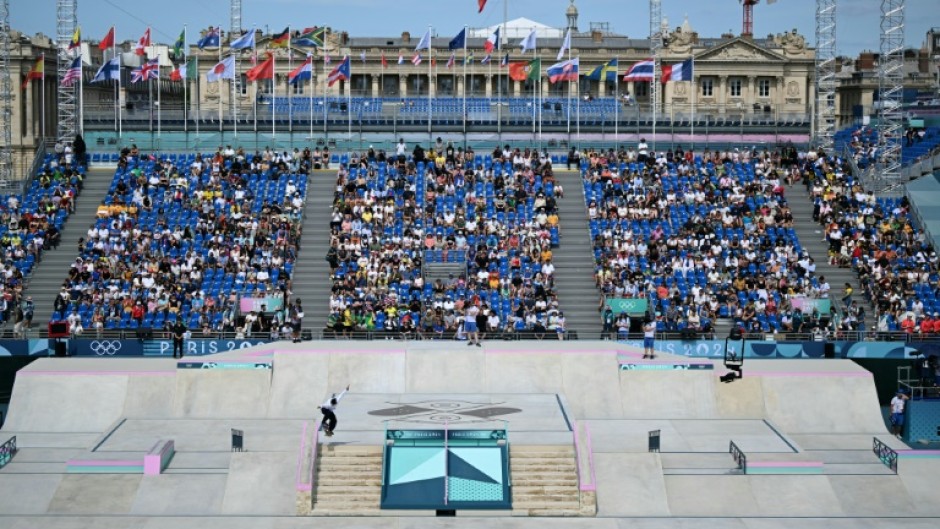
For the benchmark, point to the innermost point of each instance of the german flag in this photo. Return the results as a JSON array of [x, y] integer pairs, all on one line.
[[281, 40], [38, 71]]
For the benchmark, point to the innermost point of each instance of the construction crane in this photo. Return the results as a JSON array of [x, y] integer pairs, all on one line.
[[748, 26]]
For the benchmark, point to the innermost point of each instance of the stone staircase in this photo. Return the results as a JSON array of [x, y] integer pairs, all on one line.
[[311, 279], [574, 261], [348, 481], [811, 238], [545, 482], [46, 280]]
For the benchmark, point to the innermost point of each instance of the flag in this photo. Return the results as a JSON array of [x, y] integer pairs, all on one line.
[[482, 4], [310, 37], [38, 71], [180, 44], [109, 71], [107, 41], [184, 71], [302, 72], [74, 72], [452, 60], [210, 39], [141, 48], [326, 58], [384, 61], [505, 61], [492, 42], [265, 70], [468, 59], [425, 42], [460, 41], [223, 70], [565, 45], [244, 42], [641, 71], [529, 42], [528, 70], [604, 72], [563, 71], [76, 39], [281, 40], [340, 73], [149, 70], [362, 56], [416, 60], [486, 59], [678, 72], [401, 59]]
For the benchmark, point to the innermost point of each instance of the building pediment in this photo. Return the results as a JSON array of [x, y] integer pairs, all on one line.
[[739, 50]]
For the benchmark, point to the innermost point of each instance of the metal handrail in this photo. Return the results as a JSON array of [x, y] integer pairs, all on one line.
[[7, 451], [739, 456], [885, 453], [41, 146]]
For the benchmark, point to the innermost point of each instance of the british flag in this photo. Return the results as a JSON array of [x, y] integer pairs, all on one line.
[[149, 70]]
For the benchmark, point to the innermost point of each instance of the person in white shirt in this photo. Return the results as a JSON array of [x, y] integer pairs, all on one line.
[[328, 409], [897, 413]]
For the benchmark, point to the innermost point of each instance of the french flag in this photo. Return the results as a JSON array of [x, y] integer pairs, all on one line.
[[679, 72], [641, 71], [492, 42]]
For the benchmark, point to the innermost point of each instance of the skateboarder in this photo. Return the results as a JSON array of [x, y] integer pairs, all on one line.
[[329, 412]]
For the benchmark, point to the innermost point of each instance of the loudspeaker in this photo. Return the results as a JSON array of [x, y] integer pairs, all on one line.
[[829, 350]]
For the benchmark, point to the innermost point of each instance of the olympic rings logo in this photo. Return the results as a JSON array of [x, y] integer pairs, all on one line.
[[105, 347]]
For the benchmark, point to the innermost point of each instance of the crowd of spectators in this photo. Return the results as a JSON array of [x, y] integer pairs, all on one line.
[[494, 215], [701, 235], [32, 222], [190, 238]]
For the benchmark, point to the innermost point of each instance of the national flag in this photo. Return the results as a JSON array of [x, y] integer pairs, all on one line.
[[425, 42], [340, 73], [563, 71], [416, 60], [210, 39], [528, 70], [528, 43], [565, 46], [452, 60], [222, 70], [641, 71], [401, 59], [143, 43], [468, 59], [604, 72], [505, 61], [678, 72], [38, 71], [460, 41], [362, 56], [492, 42], [74, 72], [384, 61], [302, 72], [486, 59], [107, 41], [149, 70], [265, 70], [326, 58], [482, 4], [244, 42], [109, 71], [281, 40], [76, 39], [254, 58], [184, 71], [310, 37], [180, 44]]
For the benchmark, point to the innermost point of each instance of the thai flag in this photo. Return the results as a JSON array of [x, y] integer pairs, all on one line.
[[416, 60], [641, 71]]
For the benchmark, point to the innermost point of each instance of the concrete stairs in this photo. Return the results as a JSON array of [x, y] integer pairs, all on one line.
[[545, 482], [46, 280], [574, 261], [311, 279], [348, 481], [811, 238]]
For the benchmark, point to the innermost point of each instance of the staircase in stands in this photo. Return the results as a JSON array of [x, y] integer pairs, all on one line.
[[311, 278]]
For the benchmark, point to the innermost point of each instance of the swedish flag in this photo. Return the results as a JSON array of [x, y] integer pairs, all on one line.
[[606, 71]]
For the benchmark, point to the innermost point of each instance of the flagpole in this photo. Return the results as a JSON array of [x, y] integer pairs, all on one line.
[[499, 46], [694, 97], [274, 93], [236, 86], [150, 97], [616, 104], [185, 86], [81, 98], [198, 93], [290, 93], [254, 104], [568, 110], [115, 86], [159, 101], [349, 102], [221, 130], [430, 63], [42, 101], [465, 36], [313, 88]]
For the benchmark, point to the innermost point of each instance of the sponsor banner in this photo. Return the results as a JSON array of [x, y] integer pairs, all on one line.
[[807, 305], [197, 346], [223, 365], [265, 304], [105, 347], [628, 305], [752, 349], [415, 435]]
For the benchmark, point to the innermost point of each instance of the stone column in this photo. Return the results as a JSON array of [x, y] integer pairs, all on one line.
[[31, 130], [376, 89], [516, 88], [601, 88], [751, 92], [722, 93], [403, 85], [432, 85], [489, 85]]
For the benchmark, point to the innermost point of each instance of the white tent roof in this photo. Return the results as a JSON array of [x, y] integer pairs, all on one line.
[[519, 28]]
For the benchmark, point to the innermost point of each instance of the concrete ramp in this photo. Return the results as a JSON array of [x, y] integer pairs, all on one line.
[[214, 393], [842, 401], [630, 485], [261, 483], [55, 402]]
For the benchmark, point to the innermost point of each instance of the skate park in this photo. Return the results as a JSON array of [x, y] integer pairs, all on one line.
[[790, 442]]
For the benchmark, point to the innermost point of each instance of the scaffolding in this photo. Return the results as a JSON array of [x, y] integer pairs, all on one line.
[[656, 46], [236, 14], [67, 99], [6, 96], [825, 115], [891, 89]]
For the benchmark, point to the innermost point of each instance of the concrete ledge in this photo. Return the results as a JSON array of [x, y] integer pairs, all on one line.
[[153, 463], [784, 467], [918, 454], [159, 457]]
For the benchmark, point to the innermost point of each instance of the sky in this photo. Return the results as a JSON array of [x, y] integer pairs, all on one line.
[[857, 20]]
